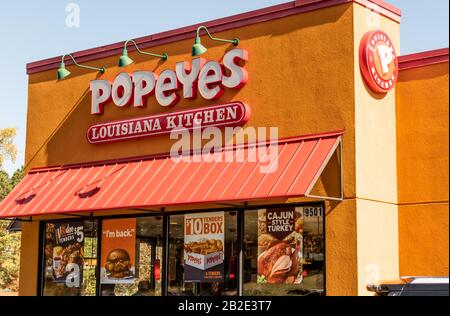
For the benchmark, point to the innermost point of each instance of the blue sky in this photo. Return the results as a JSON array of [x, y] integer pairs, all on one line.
[[37, 30]]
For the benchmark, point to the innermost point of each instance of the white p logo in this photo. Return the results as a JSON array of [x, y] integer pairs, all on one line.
[[386, 56]]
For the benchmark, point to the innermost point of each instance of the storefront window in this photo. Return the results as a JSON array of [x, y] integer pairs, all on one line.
[[284, 251], [131, 256], [283, 254], [70, 258], [90, 258], [203, 254]]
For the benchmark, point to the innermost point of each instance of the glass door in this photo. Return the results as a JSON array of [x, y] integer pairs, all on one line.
[[203, 254], [146, 277]]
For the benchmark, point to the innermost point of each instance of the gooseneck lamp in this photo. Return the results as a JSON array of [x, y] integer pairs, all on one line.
[[63, 72], [198, 48], [125, 60]]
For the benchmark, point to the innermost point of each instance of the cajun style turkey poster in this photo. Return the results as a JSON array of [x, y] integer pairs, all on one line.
[[280, 244]]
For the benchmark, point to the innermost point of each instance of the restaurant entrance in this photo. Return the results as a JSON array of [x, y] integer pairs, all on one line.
[[223, 280]]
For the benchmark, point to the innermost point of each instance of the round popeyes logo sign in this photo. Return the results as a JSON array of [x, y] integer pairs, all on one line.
[[378, 61]]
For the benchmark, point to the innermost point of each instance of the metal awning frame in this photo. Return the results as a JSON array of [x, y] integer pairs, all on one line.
[[341, 179]]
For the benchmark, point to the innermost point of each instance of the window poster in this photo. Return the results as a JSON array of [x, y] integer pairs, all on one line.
[[280, 245], [118, 251], [68, 256], [204, 247]]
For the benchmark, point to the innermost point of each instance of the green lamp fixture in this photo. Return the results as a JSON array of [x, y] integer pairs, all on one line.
[[198, 48], [63, 72], [125, 60]]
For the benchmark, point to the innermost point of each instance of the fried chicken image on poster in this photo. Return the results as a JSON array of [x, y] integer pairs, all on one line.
[[204, 247], [67, 253], [280, 245], [118, 251]]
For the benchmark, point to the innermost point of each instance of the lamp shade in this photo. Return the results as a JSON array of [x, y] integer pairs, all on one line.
[[198, 48], [124, 60], [62, 71]]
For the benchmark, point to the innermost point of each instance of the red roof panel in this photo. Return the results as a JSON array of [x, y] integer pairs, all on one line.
[[291, 166]]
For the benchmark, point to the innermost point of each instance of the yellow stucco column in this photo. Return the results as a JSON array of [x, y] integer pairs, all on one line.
[[375, 162], [29, 256]]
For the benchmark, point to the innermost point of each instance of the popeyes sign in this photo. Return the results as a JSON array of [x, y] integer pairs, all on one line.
[[207, 78], [378, 61]]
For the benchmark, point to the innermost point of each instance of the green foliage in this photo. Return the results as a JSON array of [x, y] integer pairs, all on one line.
[[7, 147], [17, 177], [5, 184], [9, 260], [9, 242]]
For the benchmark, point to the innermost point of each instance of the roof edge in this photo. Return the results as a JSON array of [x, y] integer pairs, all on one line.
[[218, 25], [268, 142], [423, 59]]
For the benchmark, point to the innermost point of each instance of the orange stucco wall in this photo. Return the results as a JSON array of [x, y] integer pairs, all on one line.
[[422, 155], [302, 79]]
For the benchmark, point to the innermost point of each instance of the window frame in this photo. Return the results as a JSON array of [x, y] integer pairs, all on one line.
[[165, 231]]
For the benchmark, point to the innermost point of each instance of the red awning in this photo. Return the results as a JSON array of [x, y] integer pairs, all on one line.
[[159, 181]]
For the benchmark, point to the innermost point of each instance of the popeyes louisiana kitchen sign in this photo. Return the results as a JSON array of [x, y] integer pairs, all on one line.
[[230, 114], [208, 78], [378, 61], [204, 247]]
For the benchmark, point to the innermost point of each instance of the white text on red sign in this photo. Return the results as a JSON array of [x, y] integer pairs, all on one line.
[[209, 78]]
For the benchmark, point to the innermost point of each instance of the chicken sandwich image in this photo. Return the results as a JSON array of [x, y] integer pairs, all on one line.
[[118, 264]]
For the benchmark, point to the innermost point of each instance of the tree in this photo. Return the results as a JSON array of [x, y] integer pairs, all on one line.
[[9, 259], [5, 184], [17, 177], [7, 147], [9, 242]]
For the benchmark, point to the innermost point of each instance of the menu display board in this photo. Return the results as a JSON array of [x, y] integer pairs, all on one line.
[[204, 247], [118, 264], [67, 253], [280, 245]]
